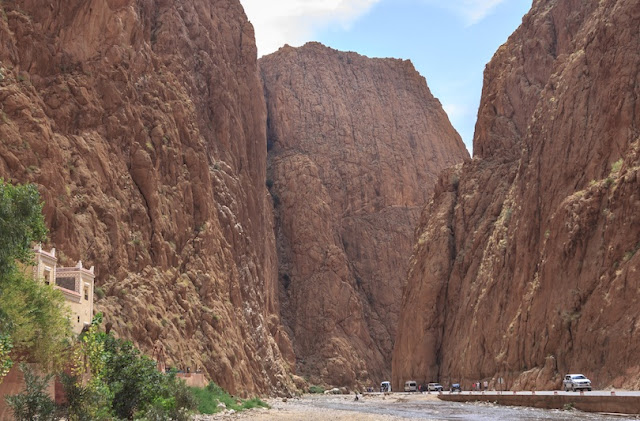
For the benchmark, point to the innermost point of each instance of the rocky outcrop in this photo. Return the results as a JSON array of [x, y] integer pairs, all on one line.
[[355, 146], [143, 124], [526, 265]]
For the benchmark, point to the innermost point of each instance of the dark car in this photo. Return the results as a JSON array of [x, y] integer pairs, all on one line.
[[455, 388]]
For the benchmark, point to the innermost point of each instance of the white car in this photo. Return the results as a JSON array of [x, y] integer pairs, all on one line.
[[575, 382], [410, 386], [385, 386], [435, 387]]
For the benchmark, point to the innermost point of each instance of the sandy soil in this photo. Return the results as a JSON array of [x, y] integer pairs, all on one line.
[[303, 409]]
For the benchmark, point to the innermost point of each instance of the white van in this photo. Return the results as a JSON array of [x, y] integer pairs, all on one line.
[[385, 387], [410, 386]]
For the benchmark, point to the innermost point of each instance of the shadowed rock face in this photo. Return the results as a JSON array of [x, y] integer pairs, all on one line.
[[355, 147], [143, 122], [527, 264]]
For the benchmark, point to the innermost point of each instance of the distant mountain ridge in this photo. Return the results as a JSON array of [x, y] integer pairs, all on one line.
[[356, 145]]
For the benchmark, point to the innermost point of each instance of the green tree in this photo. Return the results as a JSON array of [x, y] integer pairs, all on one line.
[[124, 382], [84, 402], [89, 358], [21, 224], [34, 403], [5, 351], [133, 378], [36, 318], [34, 321]]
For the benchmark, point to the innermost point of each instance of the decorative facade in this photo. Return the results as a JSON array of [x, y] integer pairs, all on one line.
[[76, 283]]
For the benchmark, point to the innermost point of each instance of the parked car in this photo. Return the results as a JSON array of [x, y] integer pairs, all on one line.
[[435, 387], [575, 382], [455, 387], [410, 386], [385, 387]]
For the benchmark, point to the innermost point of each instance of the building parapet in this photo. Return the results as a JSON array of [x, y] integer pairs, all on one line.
[[76, 284]]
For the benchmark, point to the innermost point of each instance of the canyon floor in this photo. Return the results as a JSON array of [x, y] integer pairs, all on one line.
[[400, 407]]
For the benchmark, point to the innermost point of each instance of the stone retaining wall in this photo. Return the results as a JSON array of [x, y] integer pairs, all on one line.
[[588, 403]]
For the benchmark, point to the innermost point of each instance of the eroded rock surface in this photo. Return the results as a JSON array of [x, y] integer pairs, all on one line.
[[526, 265], [355, 147], [143, 122]]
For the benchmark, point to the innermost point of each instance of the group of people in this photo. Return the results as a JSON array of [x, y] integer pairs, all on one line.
[[480, 386]]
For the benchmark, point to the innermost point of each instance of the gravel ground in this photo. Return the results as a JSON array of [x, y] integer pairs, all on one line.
[[303, 409]]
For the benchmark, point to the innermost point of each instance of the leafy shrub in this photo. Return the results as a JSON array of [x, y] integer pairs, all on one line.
[[254, 403], [36, 318], [163, 411], [5, 352], [132, 378], [616, 166], [76, 407], [316, 389], [99, 293], [127, 384], [34, 403], [175, 402], [21, 223], [210, 397], [84, 403], [33, 316]]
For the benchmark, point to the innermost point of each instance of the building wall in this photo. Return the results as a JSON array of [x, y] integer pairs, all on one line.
[[80, 300], [44, 268], [78, 294]]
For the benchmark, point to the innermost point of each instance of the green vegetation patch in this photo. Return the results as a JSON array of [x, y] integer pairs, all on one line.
[[210, 397], [629, 254], [616, 166], [316, 389], [33, 316]]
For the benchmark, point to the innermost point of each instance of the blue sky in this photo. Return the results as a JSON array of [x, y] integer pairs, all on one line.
[[448, 41]]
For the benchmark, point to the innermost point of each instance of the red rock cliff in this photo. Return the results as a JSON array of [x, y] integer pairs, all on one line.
[[143, 122], [355, 145], [526, 264]]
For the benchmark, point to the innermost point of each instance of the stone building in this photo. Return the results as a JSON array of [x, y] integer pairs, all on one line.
[[76, 283]]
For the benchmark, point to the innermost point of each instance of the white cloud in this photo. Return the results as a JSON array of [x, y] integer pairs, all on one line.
[[462, 117], [471, 11], [294, 22], [456, 111]]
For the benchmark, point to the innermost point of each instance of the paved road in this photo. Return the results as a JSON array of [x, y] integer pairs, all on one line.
[[547, 392]]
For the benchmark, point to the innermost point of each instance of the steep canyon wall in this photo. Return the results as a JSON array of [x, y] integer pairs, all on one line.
[[143, 123], [526, 264], [355, 147]]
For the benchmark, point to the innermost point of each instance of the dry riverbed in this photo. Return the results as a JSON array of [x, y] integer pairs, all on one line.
[[309, 408], [401, 406]]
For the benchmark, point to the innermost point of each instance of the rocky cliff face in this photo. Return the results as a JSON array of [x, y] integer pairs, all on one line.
[[143, 122], [355, 146], [527, 264]]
